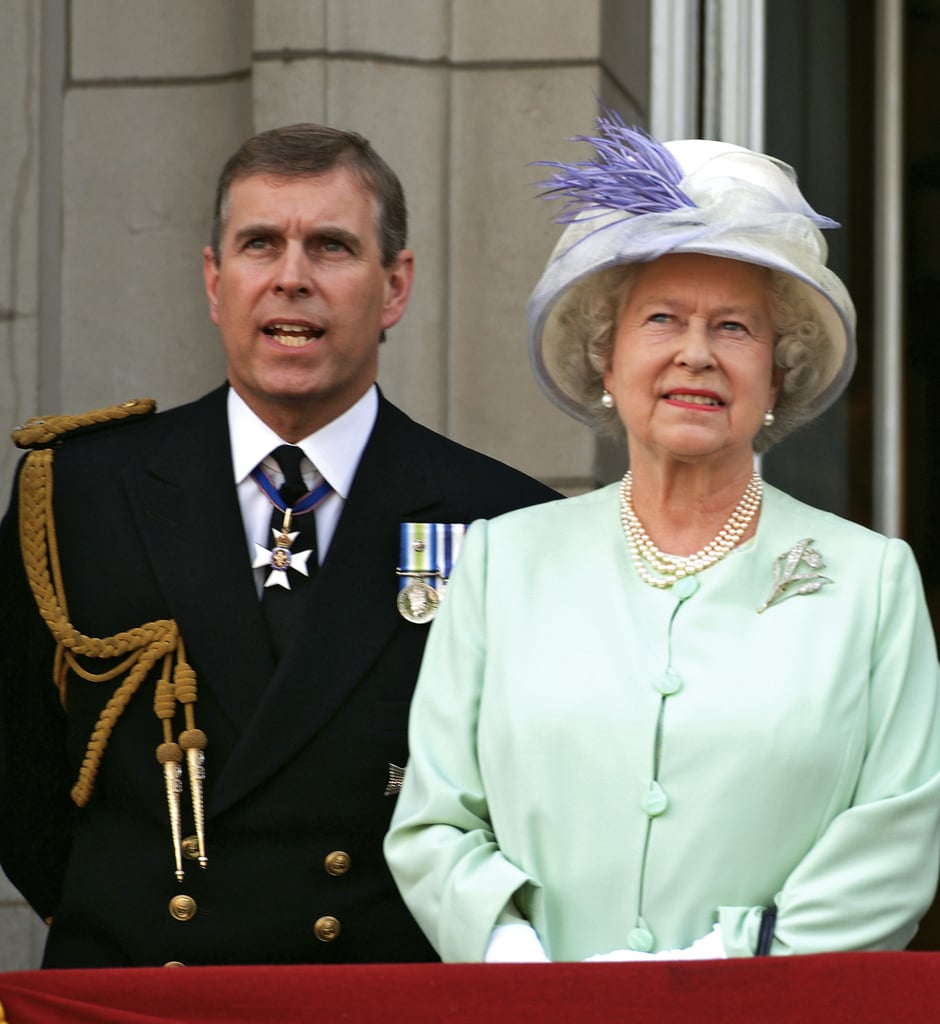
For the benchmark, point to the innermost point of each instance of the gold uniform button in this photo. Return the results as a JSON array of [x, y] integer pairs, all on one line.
[[326, 928], [337, 862], [190, 847], [174, 963], [183, 908]]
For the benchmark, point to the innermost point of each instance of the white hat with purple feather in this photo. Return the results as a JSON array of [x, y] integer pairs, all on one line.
[[639, 199]]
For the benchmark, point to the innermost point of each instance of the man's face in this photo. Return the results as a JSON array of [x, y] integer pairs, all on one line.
[[300, 296]]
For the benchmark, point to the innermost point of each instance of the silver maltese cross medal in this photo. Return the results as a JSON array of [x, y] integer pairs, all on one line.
[[280, 558]]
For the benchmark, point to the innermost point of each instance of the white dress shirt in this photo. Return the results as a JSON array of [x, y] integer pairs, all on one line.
[[334, 451]]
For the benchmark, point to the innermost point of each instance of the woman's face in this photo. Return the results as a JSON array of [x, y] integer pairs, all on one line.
[[691, 369]]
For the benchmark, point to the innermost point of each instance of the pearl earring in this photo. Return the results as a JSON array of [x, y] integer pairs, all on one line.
[[769, 418], [607, 399]]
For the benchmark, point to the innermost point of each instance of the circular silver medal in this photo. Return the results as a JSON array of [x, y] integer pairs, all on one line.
[[418, 601]]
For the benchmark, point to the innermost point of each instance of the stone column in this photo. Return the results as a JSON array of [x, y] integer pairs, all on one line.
[[19, 222], [157, 97]]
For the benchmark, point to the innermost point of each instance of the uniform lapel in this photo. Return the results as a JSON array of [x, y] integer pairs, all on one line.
[[187, 512], [352, 608]]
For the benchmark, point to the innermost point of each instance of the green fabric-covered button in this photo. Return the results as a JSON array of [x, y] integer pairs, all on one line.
[[640, 940], [668, 683], [654, 800]]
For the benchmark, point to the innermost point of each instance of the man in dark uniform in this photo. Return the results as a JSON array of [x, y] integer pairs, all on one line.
[[206, 657]]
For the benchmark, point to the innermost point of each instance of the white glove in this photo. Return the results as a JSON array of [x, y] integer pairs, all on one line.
[[516, 943], [709, 947], [617, 956]]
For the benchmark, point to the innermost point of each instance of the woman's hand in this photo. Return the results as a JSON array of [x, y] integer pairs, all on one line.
[[515, 943]]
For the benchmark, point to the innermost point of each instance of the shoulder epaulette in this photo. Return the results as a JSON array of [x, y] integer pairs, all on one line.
[[44, 431]]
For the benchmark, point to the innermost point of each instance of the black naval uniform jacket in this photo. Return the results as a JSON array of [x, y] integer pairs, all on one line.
[[149, 527]]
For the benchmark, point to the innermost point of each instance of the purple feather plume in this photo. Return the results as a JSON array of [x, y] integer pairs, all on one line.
[[631, 173]]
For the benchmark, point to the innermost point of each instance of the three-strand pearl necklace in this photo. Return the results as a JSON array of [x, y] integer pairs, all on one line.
[[667, 569]]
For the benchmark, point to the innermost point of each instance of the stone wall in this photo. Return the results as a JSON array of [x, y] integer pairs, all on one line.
[[116, 116]]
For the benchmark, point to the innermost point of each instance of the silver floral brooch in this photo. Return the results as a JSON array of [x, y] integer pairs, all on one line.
[[791, 577]]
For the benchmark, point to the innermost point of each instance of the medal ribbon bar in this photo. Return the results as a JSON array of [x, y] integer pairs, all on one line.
[[427, 553]]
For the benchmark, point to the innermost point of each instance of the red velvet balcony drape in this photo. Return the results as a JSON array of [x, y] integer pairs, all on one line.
[[858, 988]]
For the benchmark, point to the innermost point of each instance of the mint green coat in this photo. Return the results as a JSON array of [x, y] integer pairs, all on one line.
[[621, 762]]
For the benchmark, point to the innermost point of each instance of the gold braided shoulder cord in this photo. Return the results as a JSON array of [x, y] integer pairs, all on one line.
[[143, 647], [41, 431]]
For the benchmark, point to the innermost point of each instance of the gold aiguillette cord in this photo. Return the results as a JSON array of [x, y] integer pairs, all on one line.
[[193, 742], [170, 753]]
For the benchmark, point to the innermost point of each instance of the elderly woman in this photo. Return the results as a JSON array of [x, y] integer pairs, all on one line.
[[686, 715]]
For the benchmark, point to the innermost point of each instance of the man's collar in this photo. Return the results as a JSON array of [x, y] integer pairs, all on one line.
[[334, 449]]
